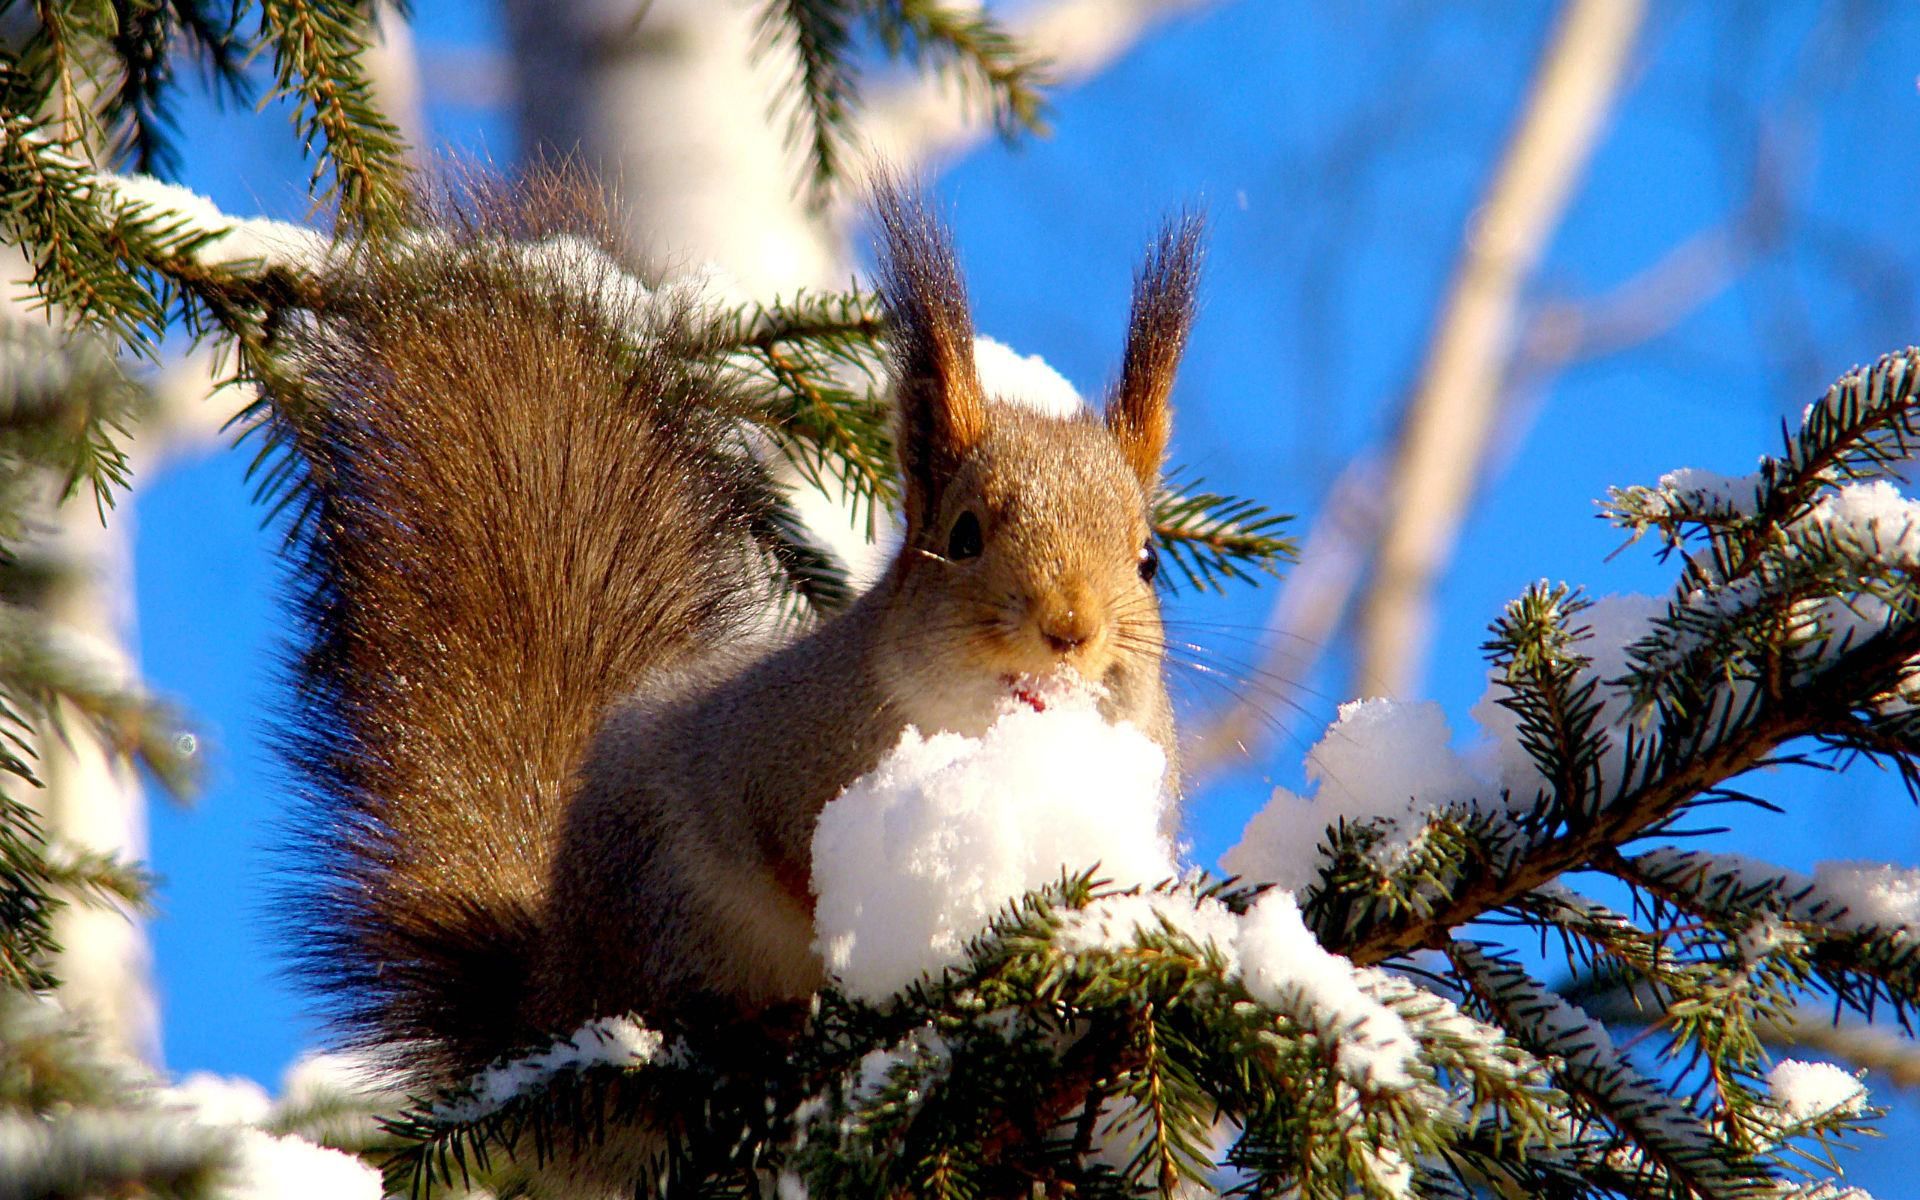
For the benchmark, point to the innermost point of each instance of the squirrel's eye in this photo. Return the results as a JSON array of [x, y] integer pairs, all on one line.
[[1149, 561], [964, 542]]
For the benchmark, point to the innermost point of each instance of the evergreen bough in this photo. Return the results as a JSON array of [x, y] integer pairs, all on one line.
[[1142, 1069], [1151, 1069]]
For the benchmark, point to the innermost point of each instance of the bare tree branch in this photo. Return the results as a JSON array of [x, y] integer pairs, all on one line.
[[1452, 412], [1306, 616]]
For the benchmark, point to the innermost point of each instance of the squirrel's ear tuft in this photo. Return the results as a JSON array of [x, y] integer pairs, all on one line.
[[942, 409], [1139, 413]]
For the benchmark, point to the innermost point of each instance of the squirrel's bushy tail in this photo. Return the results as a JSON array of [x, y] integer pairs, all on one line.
[[518, 505]]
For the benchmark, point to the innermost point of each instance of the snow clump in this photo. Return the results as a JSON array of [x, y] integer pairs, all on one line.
[[916, 856], [1808, 1091], [1026, 380], [257, 240], [1381, 759], [269, 1167], [1876, 894], [610, 1041]]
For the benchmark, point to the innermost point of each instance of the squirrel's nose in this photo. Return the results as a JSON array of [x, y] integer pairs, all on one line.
[[1066, 629]]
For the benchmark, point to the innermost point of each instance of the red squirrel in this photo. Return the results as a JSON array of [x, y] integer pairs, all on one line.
[[554, 766]]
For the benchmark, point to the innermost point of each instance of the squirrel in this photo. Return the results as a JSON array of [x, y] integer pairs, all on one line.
[[554, 765]]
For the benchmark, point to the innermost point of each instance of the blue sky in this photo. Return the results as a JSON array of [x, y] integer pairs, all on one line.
[[1338, 157]]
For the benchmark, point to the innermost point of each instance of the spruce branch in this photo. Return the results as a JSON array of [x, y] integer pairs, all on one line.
[[819, 34], [1864, 425], [1680, 1155], [37, 879], [960, 43], [966, 45], [1723, 686], [150, 39], [317, 52], [1538, 675], [1212, 539], [1692, 759], [1812, 932], [89, 252], [45, 674], [815, 368], [27, 900], [77, 1124], [64, 402]]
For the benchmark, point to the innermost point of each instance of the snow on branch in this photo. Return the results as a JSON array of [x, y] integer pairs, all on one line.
[[1675, 1143], [1851, 926], [1796, 622]]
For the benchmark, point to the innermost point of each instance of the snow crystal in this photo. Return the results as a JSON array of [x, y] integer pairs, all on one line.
[[1807, 1091], [1381, 758], [1767, 935], [1026, 380], [612, 1041], [1876, 894], [1285, 967], [255, 240], [1116, 923], [967, 825]]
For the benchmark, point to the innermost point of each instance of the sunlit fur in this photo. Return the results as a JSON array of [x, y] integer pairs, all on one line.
[[689, 841], [1056, 586], [555, 770]]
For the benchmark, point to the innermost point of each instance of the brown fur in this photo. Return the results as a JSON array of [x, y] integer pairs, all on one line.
[[499, 483], [559, 774], [1139, 413]]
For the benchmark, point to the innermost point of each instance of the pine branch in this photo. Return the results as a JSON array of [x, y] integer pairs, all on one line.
[[960, 43], [819, 34], [317, 53], [1212, 539], [1682, 1156], [968, 46]]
